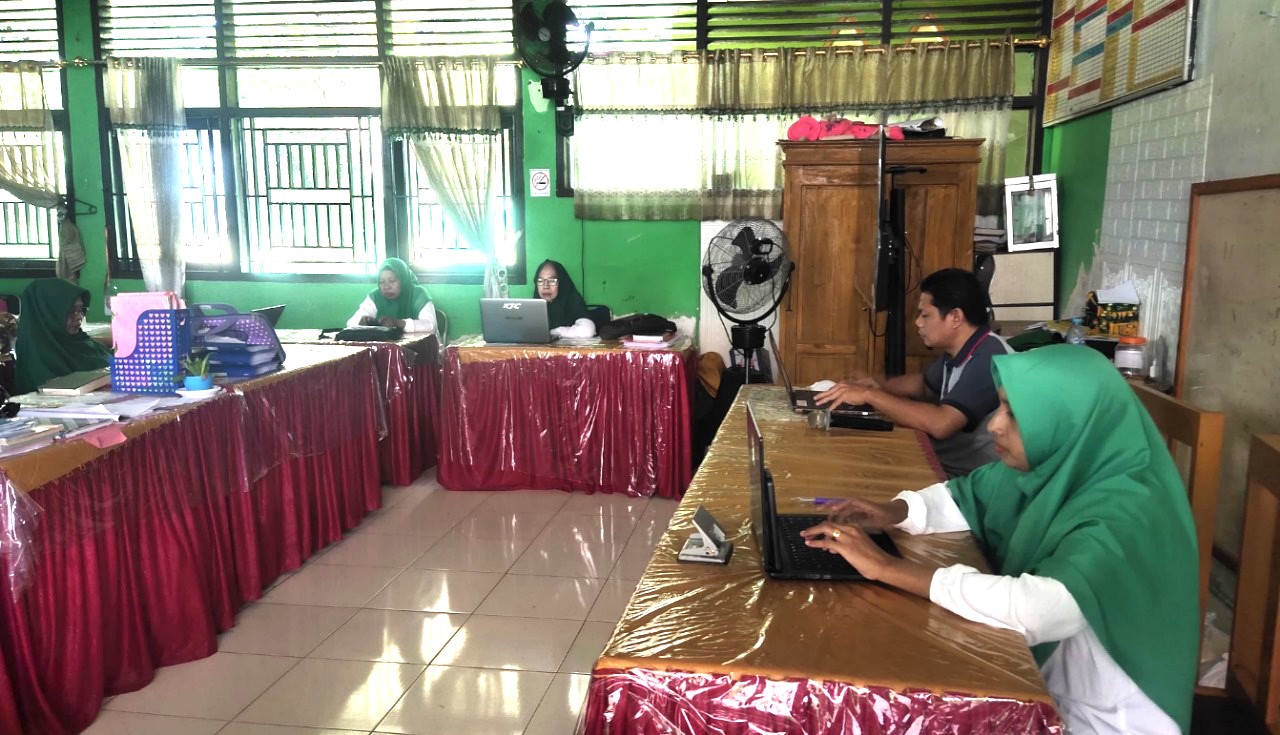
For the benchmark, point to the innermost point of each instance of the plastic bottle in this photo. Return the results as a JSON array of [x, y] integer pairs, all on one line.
[[1075, 335]]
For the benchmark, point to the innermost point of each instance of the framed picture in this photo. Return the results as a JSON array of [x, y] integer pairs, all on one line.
[[1031, 212]]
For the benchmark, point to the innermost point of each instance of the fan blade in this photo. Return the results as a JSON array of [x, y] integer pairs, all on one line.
[[745, 240], [530, 23], [727, 285]]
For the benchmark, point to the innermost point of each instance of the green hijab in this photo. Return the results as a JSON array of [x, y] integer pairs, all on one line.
[[1102, 510], [412, 298], [44, 349]]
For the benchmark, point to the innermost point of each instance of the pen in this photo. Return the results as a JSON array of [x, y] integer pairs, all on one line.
[[820, 501]]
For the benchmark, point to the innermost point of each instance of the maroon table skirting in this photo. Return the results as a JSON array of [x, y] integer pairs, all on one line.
[[143, 555], [604, 420]]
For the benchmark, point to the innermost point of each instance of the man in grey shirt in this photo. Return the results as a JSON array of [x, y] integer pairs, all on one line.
[[954, 397]]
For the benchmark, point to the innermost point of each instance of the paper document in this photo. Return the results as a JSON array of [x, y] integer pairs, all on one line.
[[1123, 293]]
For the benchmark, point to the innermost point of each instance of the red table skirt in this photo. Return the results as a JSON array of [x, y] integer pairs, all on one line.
[[142, 556], [637, 702], [413, 409], [609, 421]]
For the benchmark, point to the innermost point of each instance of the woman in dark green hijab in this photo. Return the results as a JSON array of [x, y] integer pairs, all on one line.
[[398, 301], [50, 342], [1087, 524], [566, 309]]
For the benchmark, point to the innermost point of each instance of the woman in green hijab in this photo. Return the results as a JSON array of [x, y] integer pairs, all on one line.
[[50, 342], [1087, 524], [398, 301]]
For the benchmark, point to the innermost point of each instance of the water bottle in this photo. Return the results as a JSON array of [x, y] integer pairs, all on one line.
[[1075, 335]]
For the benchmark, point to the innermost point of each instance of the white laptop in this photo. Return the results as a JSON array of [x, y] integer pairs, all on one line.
[[514, 321]]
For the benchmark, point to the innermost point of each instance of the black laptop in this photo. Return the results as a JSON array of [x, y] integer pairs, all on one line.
[[803, 399], [514, 321], [782, 549], [271, 313]]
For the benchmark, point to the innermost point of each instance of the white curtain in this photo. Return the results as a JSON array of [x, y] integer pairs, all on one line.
[[448, 109], [716, 117], [27, 160], [145, 103]]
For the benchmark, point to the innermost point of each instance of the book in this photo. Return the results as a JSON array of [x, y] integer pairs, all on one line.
[[72, 410], [34, 432], [77, 384]]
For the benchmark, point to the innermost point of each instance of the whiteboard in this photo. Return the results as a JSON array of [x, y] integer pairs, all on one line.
[[1230, 336]]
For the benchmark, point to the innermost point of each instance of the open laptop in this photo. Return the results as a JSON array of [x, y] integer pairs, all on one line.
[[782, 549], [514, 321], [271, 313], [803, 399]]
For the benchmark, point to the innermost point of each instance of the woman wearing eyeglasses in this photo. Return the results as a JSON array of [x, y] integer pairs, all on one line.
[[566, 309], [398, 301], [50, 342]]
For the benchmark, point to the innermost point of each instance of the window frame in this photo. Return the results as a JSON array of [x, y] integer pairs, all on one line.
[[122, 262]]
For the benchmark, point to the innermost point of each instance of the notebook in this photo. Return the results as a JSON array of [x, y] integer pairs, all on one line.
[[803, 399], [77, 384], [515, 321], [782, 550]]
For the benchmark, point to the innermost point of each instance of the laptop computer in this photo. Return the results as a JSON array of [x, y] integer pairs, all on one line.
[[782, 549], [271, 313], [514, 321], [803, 399]]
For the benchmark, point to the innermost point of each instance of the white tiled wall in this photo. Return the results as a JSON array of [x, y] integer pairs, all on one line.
[[1157, 152]]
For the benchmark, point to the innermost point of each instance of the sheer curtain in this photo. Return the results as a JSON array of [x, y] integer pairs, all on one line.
[[716, 117], [447, 108], [27, 160], [145, 104]]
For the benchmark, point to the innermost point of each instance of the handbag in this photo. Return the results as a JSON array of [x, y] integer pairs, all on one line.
[[370, 334], [636, 324]]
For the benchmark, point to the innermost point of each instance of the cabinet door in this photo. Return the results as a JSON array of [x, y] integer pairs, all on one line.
[[827, 315]]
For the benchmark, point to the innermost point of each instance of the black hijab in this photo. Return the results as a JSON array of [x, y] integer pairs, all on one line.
[[568, 306]]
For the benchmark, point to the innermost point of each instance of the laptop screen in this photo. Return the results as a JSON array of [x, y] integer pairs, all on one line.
[[755, 475]]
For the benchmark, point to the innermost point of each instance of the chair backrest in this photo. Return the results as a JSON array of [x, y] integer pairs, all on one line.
[[442, 327], [1201, 432], [9, 303], [1254, 668]]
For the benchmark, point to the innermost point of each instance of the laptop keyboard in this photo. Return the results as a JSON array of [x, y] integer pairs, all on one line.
[[818, 560]]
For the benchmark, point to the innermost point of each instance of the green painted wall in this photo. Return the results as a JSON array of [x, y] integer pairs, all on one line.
[[1077, 152]]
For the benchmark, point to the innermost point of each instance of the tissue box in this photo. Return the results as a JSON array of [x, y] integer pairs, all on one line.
[[1116, 320]]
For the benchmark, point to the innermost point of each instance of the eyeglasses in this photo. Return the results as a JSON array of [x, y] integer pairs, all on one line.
[[79, 310], [547, 281]]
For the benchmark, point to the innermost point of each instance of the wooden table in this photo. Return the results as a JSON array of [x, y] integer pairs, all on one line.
[[725, 649], [596, 418]]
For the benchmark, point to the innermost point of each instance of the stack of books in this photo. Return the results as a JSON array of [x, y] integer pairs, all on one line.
[[988, 239], [77, 384], [232, 358], [24, 432]]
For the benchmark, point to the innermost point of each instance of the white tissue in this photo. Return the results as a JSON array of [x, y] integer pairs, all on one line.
[[822, 385]]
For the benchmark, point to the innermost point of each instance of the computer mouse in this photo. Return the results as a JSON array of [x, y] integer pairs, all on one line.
[[822, 385]]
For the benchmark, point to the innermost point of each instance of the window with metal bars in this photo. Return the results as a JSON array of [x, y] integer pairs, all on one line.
[[287, 170], [29, 234]]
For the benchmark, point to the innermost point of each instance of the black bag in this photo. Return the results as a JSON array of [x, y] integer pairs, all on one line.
[[370, 334], [637, 324]]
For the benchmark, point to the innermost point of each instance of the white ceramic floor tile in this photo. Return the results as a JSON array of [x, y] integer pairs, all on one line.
[[650, 530], [587, 648], [449, 700], [612, 601], [528, 644], [516, 501], [563, 556], [561, 706], [334, 586], [455, 551], [633, 561], [396, 636], [346, 695], [605, 504], [413, 519], [214, 688], [251, 728], [377, 550], [283, 630], [135, 723], [490, 523], [428, 590], [525, 596]]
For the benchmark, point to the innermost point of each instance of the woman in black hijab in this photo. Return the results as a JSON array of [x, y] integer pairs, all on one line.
[[566, 309]]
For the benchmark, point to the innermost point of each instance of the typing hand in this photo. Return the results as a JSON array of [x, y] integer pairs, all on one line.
[[852, 543], [387, 321], [368, 321], [843, 392], [868, 514]]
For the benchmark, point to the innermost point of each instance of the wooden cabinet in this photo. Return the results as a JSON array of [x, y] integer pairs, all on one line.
[[830, 215]]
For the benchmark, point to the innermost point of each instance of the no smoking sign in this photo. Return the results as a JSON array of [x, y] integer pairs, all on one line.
[[540, 182]]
